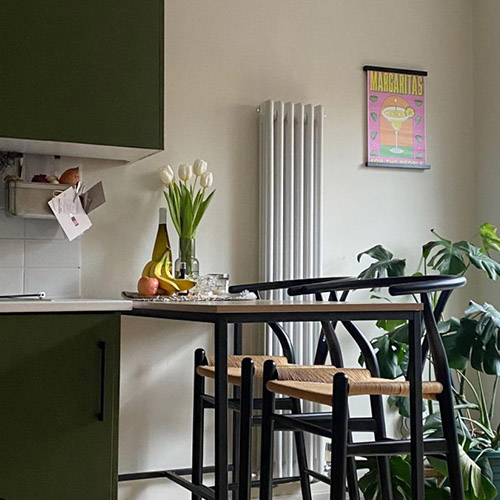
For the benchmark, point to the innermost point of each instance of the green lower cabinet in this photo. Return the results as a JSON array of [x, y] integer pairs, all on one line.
[[59, 380]]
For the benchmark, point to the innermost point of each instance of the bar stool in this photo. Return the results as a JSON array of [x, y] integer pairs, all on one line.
[[241, 373], [315, 384]]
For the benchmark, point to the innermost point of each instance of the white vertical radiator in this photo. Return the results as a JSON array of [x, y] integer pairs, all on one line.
[[291, 161]]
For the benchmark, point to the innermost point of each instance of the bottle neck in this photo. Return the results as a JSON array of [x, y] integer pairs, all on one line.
[[163, 216]]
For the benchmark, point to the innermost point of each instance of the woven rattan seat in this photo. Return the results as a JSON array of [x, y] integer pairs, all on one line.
[[234, 366], [314, 383]]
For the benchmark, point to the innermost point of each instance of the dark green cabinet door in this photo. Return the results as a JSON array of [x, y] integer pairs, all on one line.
[[84, 71], [59, 376]]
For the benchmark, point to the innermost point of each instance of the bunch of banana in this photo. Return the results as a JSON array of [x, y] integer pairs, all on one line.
[[160, 266], [161, 270]]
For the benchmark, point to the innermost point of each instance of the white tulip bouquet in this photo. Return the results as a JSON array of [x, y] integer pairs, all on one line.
[[187, 198]]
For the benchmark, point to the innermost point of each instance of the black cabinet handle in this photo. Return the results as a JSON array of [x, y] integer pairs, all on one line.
[[102, 393]]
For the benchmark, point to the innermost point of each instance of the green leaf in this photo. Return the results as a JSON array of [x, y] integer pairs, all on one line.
[[433, 491], [479, 333], [477, 355], [433, 425], [451, 325], [418, 102], [374, 153], [420, 156], [465, 336], [400, 334], [419, 138], [440, 465], [173, 212], [491, 361], [186, 213], [418, 119], [448, 257], [385, 265], [369, 483], [478, 258], [373, 98], [374, 116], [201, 210], [373, 135], [401, 403], [455, 358], [488, 234], [485, 465], [387, 358], [389, 324], [378, 252], [476, 484]]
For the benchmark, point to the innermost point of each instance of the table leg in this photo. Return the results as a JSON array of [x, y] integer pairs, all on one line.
[[237, 350], [416, 426], [221, 408]]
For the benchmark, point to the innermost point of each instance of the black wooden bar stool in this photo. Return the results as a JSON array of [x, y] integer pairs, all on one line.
[[315, 384], [241, 373]]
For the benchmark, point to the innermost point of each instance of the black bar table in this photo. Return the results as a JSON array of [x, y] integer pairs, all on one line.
[[223, 313]]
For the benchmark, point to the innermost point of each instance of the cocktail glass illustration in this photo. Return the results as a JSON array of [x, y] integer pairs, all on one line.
[[396, 116]]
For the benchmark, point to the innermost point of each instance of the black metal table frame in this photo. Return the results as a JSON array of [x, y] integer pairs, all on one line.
[[221, 321]]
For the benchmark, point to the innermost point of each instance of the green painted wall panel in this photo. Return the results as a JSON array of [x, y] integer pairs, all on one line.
[[53, 446], [86, 71]]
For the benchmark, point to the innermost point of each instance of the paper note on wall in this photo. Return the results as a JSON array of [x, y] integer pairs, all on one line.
[[69, 212]]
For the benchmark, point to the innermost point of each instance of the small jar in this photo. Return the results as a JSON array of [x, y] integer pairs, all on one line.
[[221, 283]]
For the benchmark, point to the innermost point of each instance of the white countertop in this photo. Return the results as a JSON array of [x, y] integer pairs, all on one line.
[[63, 305]]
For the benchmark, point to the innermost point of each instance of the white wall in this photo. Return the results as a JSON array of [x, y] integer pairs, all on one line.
[[222, 59], [487, 127]]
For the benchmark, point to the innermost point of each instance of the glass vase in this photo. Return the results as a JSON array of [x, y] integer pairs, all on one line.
[[187, 265]]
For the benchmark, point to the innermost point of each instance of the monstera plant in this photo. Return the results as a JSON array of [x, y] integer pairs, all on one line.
[[472, 343]]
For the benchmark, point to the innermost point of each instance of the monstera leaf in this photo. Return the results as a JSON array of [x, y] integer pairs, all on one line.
[[445, 256], [369, 484], [478, 258], [449, 257], [449, 336], [477, 486], [385, 264], [488, 234], [478, 337]]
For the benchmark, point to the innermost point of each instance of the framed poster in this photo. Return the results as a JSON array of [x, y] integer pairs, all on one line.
[[396, 118]]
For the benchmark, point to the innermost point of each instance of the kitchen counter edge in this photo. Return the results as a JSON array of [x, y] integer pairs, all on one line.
[[64, 305]]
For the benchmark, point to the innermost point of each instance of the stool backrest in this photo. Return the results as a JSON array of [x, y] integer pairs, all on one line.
[[402, 285]]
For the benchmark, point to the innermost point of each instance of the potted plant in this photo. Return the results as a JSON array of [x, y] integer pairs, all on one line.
[[473, 347]]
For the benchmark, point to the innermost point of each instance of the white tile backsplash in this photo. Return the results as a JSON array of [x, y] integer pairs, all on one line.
[[56, 283], [35, 256], [11, 253], [52, 253], [11, 227], [11, 281]]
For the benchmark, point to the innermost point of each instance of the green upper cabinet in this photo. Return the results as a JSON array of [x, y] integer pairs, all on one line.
[[82, 72]]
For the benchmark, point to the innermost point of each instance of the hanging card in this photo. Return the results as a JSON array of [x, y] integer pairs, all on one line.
[[69, 212]]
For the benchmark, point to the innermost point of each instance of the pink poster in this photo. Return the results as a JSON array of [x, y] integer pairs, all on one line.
[[396, 118]]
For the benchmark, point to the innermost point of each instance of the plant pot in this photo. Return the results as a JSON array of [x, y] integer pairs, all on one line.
[[494, 460]]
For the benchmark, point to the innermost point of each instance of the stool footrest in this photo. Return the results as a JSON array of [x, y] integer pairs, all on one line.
[[436, 446]]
